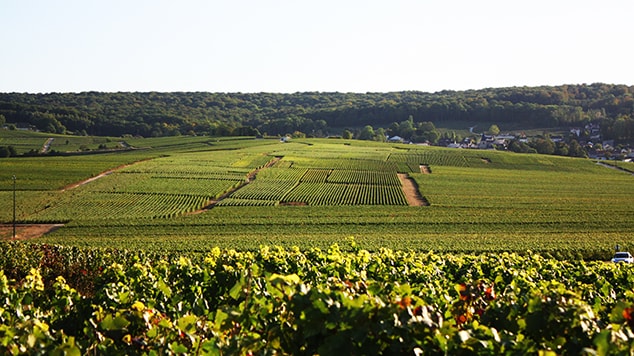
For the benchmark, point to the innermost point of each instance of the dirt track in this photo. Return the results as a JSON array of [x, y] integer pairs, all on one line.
[[100, 175], [411, 191], [26, 231], [614, 167]]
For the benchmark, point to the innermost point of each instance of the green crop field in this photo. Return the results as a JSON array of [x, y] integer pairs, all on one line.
[[196, 245], [195, 193]]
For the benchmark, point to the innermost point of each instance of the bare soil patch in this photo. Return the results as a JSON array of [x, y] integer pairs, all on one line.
[[424, 169], [410, 189], [26, 231]]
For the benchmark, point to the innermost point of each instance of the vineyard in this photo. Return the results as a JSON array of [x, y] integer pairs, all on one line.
[[171, 185], [81, 301], [314, 193], [192, 245]]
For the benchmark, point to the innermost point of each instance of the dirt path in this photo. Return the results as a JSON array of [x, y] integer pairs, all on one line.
[[26, 231], [410, 189], [47, 146], [251, 175], [86, 181], [614, 167], [100, 175]]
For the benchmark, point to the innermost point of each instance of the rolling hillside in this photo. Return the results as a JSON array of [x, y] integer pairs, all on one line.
[[190, 194]]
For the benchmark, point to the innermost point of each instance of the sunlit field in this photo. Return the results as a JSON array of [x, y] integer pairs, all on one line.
[[192, 194]]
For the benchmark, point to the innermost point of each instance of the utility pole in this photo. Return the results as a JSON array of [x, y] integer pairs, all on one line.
[[14, 206]]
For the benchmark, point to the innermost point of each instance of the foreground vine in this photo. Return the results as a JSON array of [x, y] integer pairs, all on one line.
[[56, 300]]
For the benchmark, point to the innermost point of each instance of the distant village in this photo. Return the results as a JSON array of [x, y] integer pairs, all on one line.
[[588, 137]]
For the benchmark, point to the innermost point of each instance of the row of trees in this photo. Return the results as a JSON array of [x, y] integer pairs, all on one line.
[[408, 130], [547, 146], [319, 114]]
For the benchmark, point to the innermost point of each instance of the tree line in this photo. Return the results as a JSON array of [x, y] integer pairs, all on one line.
[[319, 113]]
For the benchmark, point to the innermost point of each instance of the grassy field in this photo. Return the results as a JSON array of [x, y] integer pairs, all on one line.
[[316, 192]]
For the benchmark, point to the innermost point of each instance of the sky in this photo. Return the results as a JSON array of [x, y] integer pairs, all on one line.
[[287, 46]]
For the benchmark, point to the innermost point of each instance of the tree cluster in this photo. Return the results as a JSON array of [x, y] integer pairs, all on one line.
[[407, 130], [320, 114], [7, 151], [570, 148]]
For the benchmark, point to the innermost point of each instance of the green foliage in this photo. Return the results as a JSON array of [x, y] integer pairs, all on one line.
[[276, 300], [222, 114], [493, 130], [367, 133], [7, 151], [544, 146]]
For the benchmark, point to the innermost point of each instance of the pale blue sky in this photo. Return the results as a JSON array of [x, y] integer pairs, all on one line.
[[327, 45]]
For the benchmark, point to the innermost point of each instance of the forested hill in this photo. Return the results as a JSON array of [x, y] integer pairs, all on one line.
[[317, 113]]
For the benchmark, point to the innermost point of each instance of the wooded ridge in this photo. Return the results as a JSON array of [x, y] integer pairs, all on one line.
[[319, 113]]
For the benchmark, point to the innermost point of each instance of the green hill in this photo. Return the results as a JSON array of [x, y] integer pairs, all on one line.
[[190, 193], [320, 114]]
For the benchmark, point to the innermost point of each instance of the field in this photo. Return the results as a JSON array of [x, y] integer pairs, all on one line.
[[190, 194], [194, 245]]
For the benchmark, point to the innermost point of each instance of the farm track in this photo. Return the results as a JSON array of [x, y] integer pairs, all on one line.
[[410, 189], [614, 167], [26, 231], [47, 146], [100, 175]]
